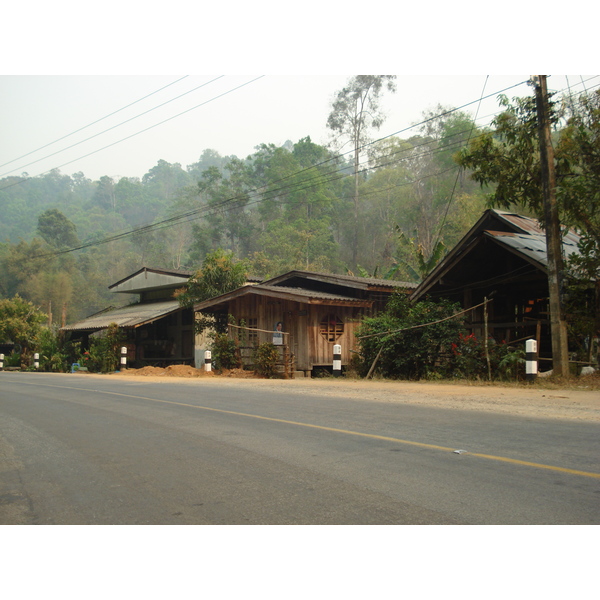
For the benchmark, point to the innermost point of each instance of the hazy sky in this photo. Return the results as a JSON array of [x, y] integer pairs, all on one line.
[[231, 114]]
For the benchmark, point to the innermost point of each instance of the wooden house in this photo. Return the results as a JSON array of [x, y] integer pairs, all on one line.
[[502, 258], [158, 330], [305, 313]]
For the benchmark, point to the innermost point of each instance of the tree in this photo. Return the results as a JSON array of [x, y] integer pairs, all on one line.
[[56, 229], [104, 195], [219, 274], [356, 110], [21, 323]]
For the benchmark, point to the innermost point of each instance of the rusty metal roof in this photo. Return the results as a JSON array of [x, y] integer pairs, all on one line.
[[133, 315]]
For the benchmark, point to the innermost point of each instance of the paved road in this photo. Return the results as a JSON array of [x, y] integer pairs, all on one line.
[[76, 449]]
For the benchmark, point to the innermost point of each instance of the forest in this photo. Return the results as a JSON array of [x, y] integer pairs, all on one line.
[[388, 207], [281, 208]]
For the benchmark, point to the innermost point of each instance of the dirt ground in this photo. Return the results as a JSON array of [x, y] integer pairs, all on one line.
[[577, 399]]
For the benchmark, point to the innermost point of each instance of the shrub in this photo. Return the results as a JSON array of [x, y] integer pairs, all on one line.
[[265, 358], [225, 353], [413, 354], [104, 354]]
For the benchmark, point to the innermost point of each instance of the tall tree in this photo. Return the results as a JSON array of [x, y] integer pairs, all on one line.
[[56, 229], [354, 112]]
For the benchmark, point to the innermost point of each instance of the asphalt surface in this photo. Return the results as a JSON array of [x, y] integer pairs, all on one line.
[[76, 449]]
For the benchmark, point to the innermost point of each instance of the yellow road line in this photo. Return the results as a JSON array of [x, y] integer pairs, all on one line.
[[346, 432]]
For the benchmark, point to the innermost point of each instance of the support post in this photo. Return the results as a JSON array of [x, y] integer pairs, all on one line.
[[337, 360], [485, 337], [558, 327], [208, 361], [531, 360]]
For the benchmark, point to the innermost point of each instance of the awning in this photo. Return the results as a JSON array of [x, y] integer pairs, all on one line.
[[132, 316]]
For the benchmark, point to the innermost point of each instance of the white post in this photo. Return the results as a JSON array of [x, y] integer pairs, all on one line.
[[337, 360], [1, 362], [531, 360], [123, 357], [208, 361], [36, 360]]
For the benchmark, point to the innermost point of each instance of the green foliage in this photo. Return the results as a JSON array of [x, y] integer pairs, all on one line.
[[265, 359], [57, 353], [225, 352], [56, 229], [436, 351], [104, 354], [219, 274], [21, 323], [468, 359], [415, 353]]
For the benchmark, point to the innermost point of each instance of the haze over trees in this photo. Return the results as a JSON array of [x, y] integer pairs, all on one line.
[[388, 210]]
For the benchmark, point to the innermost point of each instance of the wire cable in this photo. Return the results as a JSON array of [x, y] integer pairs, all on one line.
[[113, 127], [235, 202], [90, 124]]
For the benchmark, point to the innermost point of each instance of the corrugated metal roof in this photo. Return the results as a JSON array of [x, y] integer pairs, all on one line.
[[310, 294], [280, 291], [133, 315], [533, 246], [350, 280]]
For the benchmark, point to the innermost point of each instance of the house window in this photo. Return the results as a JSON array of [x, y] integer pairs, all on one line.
[[253, 335], [246, 336], [331, 328]]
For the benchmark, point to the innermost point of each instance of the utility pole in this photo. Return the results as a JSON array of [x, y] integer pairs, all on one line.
[[558, 326]]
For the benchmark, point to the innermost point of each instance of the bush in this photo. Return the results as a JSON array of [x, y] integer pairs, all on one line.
[[54, 352], [469, 361], [413, 354], [104, 354], [265, 358], [225, 353]]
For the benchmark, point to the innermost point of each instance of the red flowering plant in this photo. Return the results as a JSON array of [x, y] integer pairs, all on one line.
[[469, 358]]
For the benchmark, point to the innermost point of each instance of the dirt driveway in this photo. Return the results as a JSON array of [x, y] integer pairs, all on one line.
[[579, 400]]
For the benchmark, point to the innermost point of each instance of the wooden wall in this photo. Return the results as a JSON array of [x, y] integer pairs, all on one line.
[[302, 323]]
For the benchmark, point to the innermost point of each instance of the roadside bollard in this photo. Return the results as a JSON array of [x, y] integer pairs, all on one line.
[[36, 360], [337, 360], [123, 357], [531, 360], [1, 362], [208, 361]]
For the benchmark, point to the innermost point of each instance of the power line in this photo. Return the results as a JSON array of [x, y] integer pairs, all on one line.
[[113, 127], [90, 124], [234, 202], [142, 131]]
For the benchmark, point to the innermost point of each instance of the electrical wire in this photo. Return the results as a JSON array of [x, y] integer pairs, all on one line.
[[142, 131], [236, 201], [113, 127], [90, 124]]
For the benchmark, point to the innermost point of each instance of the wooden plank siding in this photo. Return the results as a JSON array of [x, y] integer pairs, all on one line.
[[301, 321]]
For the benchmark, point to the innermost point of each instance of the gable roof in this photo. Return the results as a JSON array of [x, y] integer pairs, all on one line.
[[313, 280], [520, 235], [147, 279], [301, 295]]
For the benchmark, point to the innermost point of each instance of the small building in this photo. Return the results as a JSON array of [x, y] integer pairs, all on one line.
[[304, 312], [502, 258], [158, 330]]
